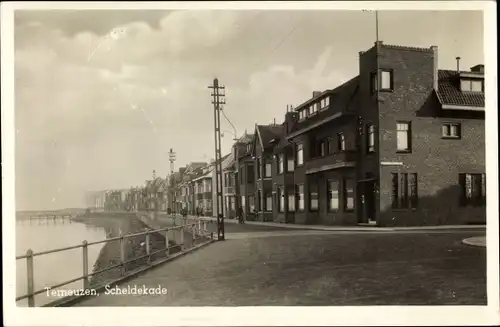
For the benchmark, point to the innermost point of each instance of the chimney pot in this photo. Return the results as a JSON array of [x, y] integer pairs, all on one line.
[[434, 49], [458, 64], [316, 93]]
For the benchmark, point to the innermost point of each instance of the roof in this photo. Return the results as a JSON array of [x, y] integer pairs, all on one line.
[[246, 138], [449, 91], [269, 132]]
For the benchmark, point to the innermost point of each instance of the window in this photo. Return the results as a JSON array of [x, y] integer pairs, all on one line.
[[333, 195], [476, 86], [258, 168], [267, 170], [322, 148], [249, 147], [312, 109], [299, 154], [386, 80], [259, 200], [404, 191], [451, 130], [325, 103], [300, 197], [291, 200], [250, 174], [280, 163], [473, 189], [313, 197], [370, 138], [302, 115], [290, 165], [341, 142], [468, 85], [348, 194], [403, 136], [281, 199], [269, 203]]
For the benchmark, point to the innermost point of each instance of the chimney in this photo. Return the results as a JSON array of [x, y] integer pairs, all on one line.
[[316, 93], [477, 69], [435, 80], [458, 64], [274, 121]]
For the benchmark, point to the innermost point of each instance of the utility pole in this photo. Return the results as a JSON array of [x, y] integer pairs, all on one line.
[[171, 158], [217, 101]]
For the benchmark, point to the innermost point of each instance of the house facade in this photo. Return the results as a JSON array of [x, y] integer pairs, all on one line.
[[410, 152], [245, 176]]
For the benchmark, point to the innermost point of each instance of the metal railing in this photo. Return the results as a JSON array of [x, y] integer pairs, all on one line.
[[198, 230]]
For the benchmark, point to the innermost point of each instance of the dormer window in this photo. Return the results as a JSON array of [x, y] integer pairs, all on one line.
[[249, 147], [325, 103], [471, 85], [312, 109], [302, 115]]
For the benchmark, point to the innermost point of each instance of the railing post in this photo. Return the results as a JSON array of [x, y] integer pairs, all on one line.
[[181, 229], [167, 245], [148, 247], [122, 253], [30, 278], [85, 249]]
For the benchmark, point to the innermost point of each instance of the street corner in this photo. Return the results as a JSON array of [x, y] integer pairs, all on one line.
[[478, 241]]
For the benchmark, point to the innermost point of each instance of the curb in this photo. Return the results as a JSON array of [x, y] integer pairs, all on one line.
[[479, 241], [353, 228]]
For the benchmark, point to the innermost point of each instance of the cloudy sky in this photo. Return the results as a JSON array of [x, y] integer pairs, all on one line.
[[101, 96]]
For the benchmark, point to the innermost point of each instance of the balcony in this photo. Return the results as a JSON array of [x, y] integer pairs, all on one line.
[[229, 190], [337, 160]]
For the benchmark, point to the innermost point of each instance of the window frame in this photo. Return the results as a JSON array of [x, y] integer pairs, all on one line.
[[375, 82], [477, 190], [268, 208], [404, 194], [313, 189], [370, 131], [280, 158], [449, 135], [268, 168], [330, 192], [408, 136], [299, 198], [281, 198], [349, 193], [341, 142], [297, 151]]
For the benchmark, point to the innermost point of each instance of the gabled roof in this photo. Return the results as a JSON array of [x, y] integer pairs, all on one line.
[[449, 92], [266, 133]]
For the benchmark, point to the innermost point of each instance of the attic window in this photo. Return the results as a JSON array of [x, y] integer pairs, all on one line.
[[325, 103], [302, 115], [471, 85]]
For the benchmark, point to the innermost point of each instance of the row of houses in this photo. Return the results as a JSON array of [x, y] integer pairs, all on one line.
[[401, 143]]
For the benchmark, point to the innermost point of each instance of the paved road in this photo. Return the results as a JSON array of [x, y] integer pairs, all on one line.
[[314, 268]]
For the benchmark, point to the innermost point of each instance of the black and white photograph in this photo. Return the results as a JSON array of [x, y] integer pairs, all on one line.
[[315, 163]]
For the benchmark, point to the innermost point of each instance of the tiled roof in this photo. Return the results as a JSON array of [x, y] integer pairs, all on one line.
[[246, 138], [269, 132], [449, 91]]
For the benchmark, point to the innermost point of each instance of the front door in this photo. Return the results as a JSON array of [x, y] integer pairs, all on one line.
[[369, 202]]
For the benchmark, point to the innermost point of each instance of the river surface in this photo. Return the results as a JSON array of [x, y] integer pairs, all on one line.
[[41, 235]]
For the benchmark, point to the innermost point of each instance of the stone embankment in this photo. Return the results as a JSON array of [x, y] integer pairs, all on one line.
[[135, 247]]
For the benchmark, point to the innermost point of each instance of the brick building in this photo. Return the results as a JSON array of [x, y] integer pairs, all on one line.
[[410, 152], [245, 175]]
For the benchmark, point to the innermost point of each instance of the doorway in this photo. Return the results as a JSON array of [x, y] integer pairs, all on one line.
[[367, 197]]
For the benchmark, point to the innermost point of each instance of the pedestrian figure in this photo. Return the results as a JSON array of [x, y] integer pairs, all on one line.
[[241, 220]]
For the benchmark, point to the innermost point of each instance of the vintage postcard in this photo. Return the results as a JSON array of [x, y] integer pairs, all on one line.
[[254, 163]]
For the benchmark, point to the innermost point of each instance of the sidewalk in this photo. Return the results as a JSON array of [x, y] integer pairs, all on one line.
[[347, 228]]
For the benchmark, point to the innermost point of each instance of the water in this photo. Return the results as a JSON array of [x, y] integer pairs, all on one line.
[[54, 268]]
